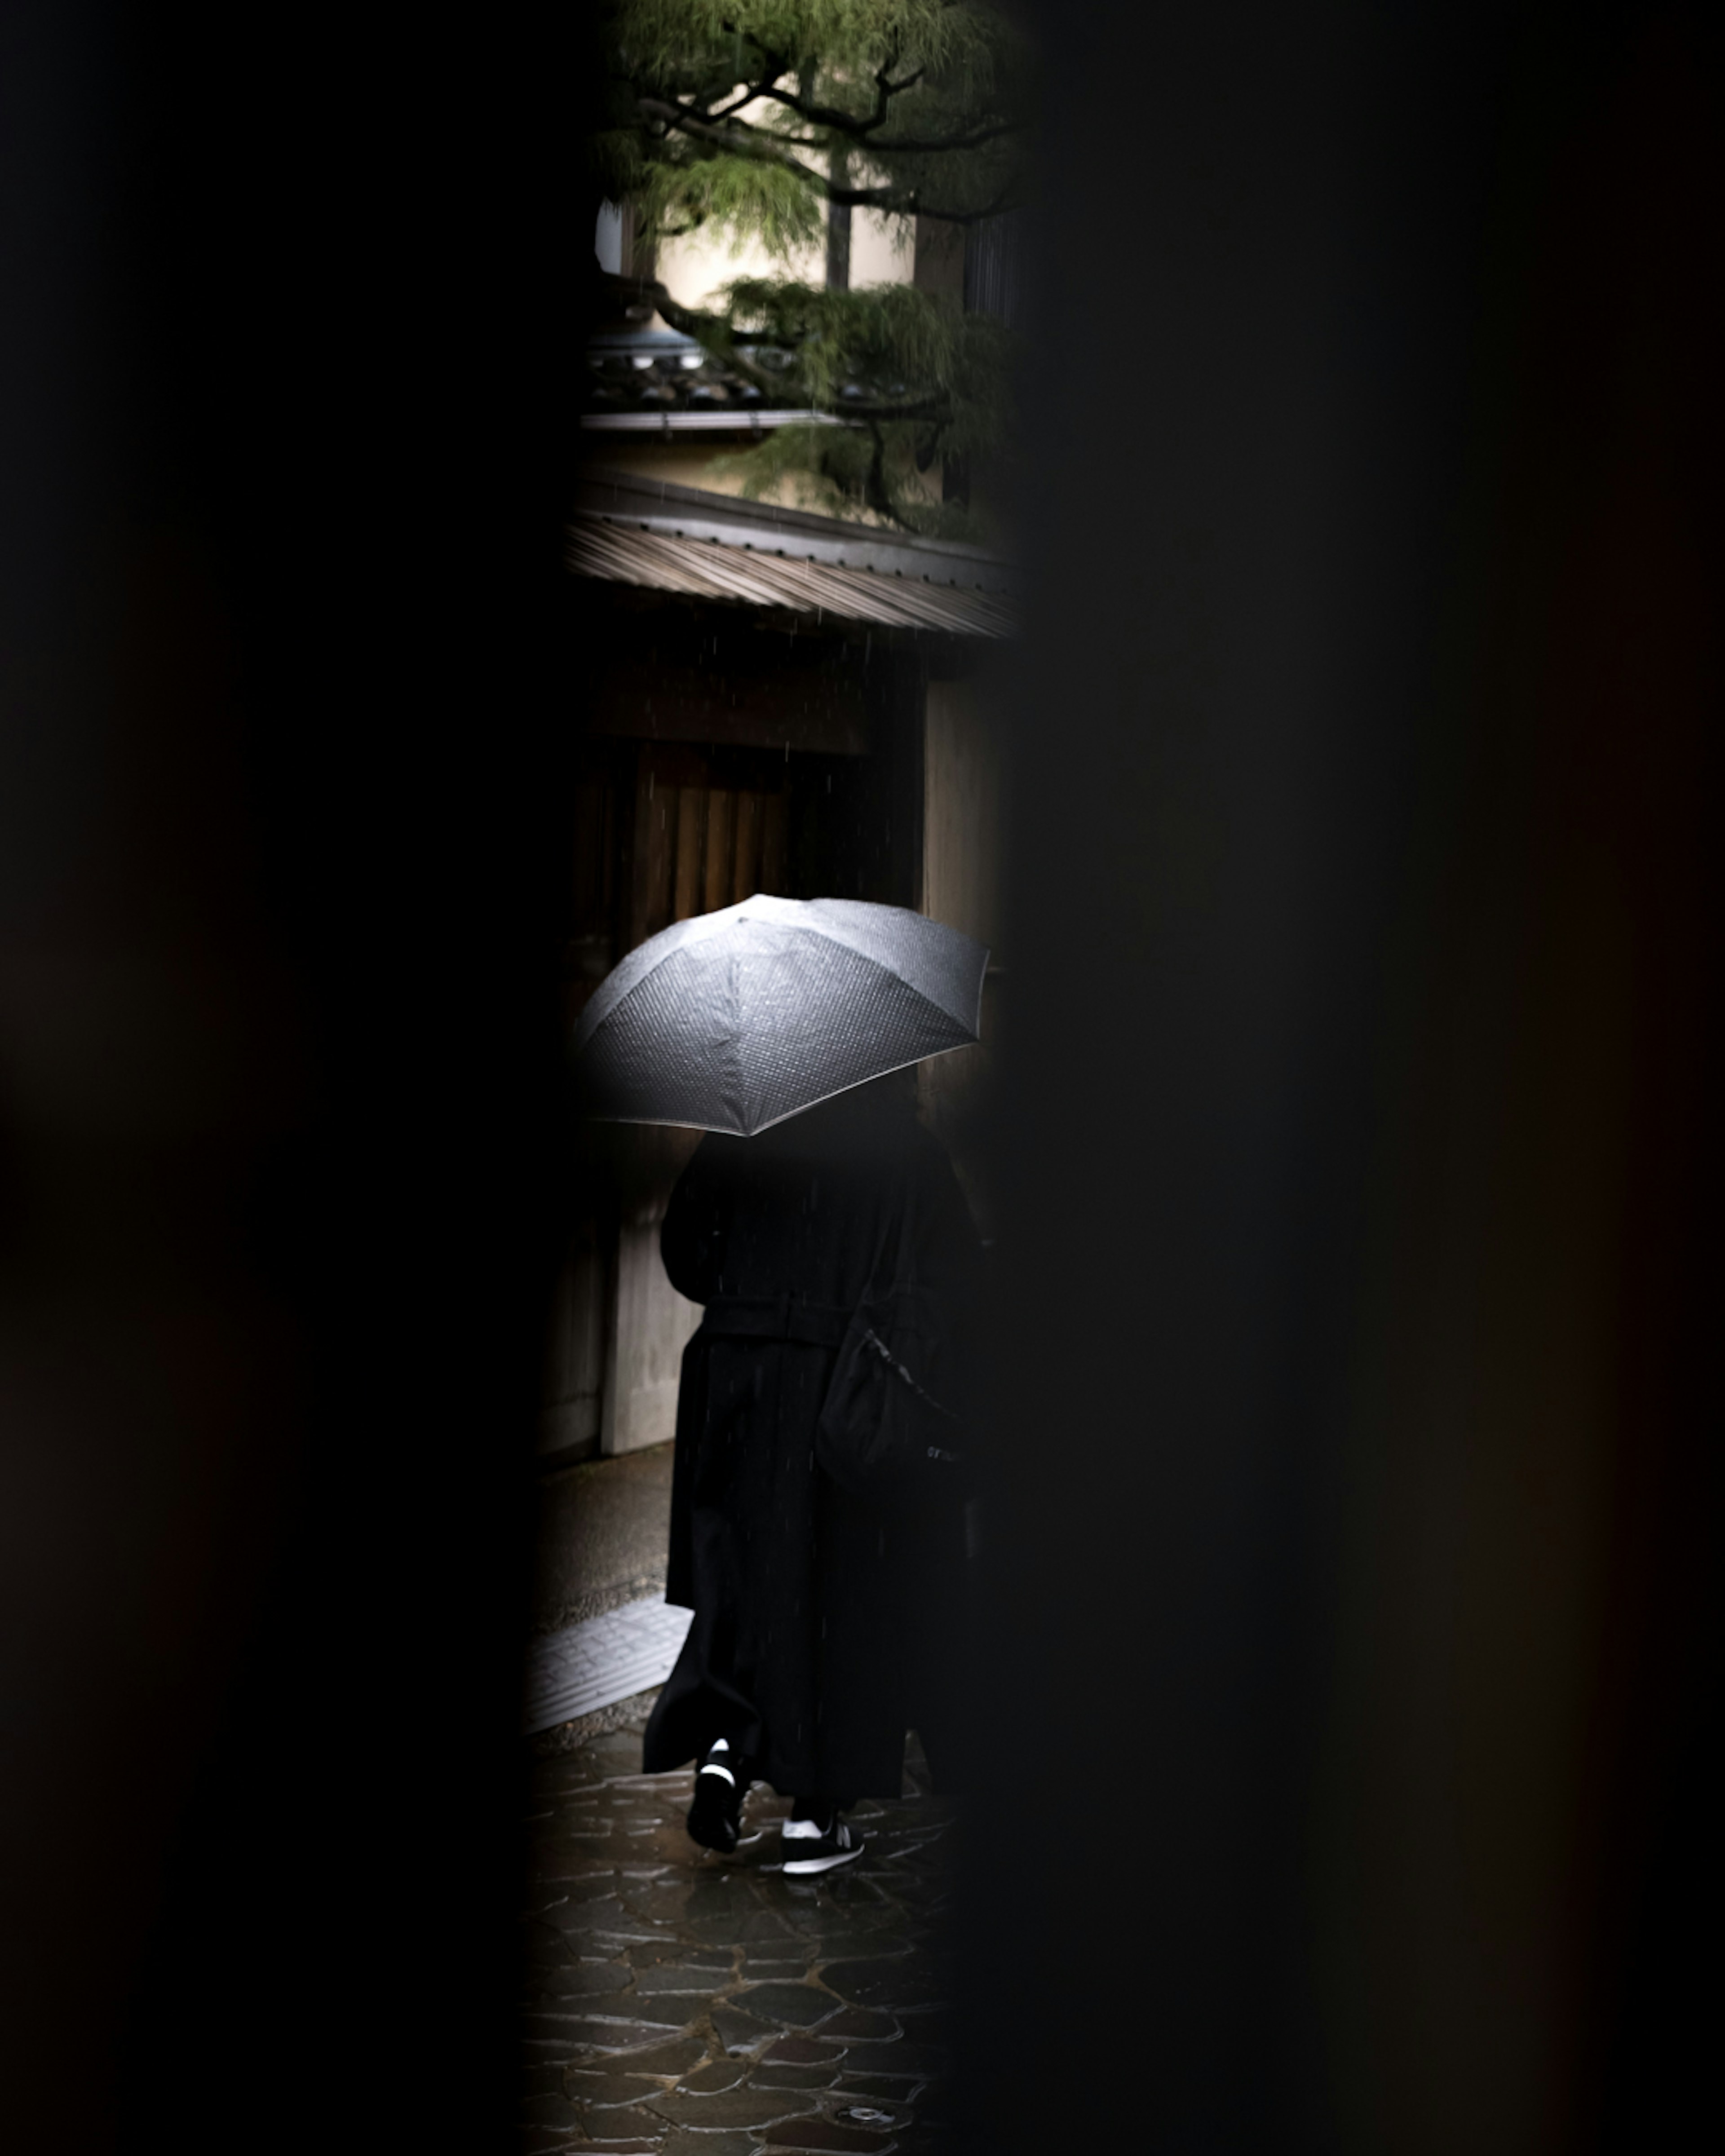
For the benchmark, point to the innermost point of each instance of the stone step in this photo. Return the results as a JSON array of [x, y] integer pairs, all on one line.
[[600, 1661]]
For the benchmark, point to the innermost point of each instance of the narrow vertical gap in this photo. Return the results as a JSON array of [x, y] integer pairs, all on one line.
[[746, 871], [692, 819], [774, 832], [720, 807]]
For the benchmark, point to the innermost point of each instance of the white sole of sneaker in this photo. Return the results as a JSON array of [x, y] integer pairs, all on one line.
[[800, 1867]]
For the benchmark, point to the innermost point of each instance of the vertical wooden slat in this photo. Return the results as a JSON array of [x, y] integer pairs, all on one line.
[[686, 888], [656, 805], [746, 868], [774, 836], [586, 908], [610, 846], [643, 806], [720, 817]]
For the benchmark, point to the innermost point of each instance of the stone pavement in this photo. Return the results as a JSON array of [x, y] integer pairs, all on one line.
[[602, 1532], [690, 2005]]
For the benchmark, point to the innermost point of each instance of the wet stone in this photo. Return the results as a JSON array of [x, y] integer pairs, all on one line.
[[789, 1961], [716, 2075], [794, 2077], [814, 1902], [648, 1953], [585, 2036], [902, 1983], [808, 1906], [653, 1904], [862, 1942], [673, 2010], [666, 1981], [587, 1915], [716, 1886], [572, 1978], [926, 2024], [862, 2023], [679, 2142], [613, 1752], [585, 2085], [911, 1823], [736, 2108], [569, 1859], [655, 1845], [911, 2062], [614, 1945], [863, 2086], [800, 2051], [634, 2122], [929, 2137], [746, 1927], [736, 2032], [674, 2057], [798, 2004], [555, 2110], [823, 2133]]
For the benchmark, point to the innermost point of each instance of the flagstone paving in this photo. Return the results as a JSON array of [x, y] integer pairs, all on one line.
[[683, 2004]]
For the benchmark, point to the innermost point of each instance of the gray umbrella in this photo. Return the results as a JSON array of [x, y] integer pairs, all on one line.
[[734, 1020]]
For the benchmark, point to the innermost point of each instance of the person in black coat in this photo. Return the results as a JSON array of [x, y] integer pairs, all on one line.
[[826, 1621]]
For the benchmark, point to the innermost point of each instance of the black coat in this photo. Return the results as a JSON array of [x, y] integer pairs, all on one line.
[[825, 1626]]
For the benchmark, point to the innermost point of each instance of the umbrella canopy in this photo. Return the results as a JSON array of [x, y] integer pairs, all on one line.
[[736, 1019]]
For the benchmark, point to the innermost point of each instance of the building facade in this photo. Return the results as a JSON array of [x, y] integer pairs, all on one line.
[[769, 699]]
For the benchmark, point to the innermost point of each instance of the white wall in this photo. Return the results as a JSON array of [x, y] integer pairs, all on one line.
[[575, 1351], [653, 1323], [881, 252], [882, 249]]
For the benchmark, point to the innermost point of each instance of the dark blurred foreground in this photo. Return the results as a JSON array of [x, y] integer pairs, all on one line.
[[1359, 1517]]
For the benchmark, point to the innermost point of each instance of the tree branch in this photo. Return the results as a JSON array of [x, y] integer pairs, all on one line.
[[885, 91], [715, 333], [746, 96], [740, 140], [875, 491], [736, 135], [908, 145], [839, 122], [859, 131]]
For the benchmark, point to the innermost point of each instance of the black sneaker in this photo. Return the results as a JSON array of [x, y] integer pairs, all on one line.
[[721, 1783], [805, 1852]]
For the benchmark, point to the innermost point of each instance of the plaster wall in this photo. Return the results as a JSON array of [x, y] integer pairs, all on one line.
[[644, 1352], [569, 1422], [882, 252]]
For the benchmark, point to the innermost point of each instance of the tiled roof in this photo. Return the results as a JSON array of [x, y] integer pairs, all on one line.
[[627, 530], [648, 379]]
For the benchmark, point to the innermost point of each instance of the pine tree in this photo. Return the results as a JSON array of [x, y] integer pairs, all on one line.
[[774, 119]]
